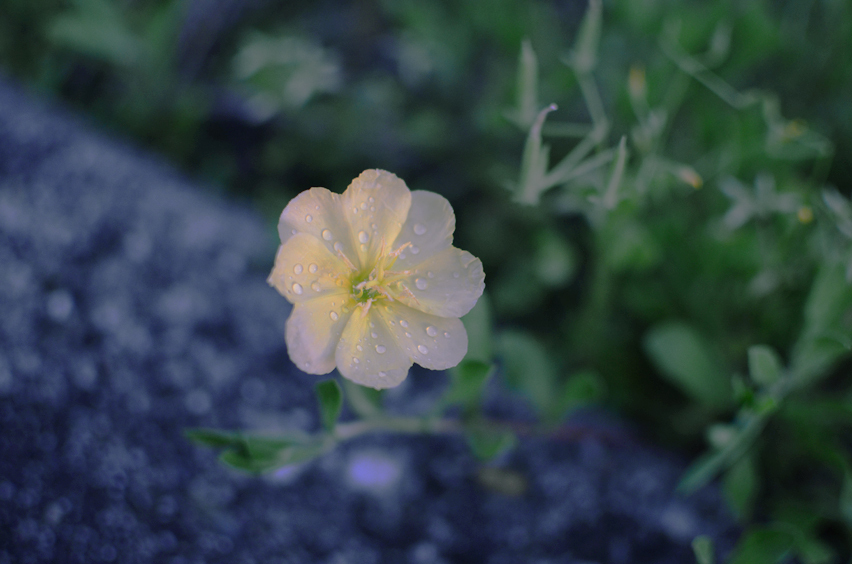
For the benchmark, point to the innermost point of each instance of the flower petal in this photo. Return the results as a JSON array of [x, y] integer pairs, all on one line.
[[375, 205], [305, 269], [429, 228], [446, 284], [318, 212], [432, 342], [368, 352], [313, 331]]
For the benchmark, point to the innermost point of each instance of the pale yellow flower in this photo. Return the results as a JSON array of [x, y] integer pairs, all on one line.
[[375, 282]]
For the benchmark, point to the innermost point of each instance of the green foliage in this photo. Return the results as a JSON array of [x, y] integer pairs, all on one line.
[[684, 357], [330, 399]]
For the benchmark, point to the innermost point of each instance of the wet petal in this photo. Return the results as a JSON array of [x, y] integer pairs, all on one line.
[[318, 212], [305, 269], [446, 284], [376, 205], [313, 331], [432, 342], [368, 352], [429, 228]]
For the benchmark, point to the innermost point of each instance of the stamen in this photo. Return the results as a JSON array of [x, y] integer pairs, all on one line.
[[345, 259], [365, 307]]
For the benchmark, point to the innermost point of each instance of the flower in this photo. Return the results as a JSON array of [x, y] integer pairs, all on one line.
[[374, 280]]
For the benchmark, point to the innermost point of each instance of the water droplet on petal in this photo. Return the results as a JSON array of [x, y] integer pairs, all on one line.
[[421, 284], [359, 347], [407, 334], [333, 315], [371, 199], [316, 287], [363, 237], [382, 374], [297, 269], [380, 349], [374, 335], [419, 229], [326, 234], [338, 247], [363, 205], [431, 331], [297, 289], [313, 268], [403, 323], [430, 275], [446, 335], [355, 360], [309, 218], [422, 349], [414, 250]]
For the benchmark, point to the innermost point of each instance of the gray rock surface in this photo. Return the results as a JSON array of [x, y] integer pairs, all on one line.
[[133, 306]]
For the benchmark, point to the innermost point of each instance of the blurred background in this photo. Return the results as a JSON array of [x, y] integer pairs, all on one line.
[[729, 227]]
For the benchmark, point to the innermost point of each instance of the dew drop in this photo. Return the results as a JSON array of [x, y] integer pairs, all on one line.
[[372, 208], [293, 231], [403, 323], [359, 347], [446, 335], [419, 229], [382, 374], [326, 234], [333, 315], [414, 250], [363, 205], [380, 349], [297, 289], [355, 360], [338, 247], [363, 237], [297, 269], [371, 199], [431, 331], [309, 218], [374, 335], [313, 268], [401, 256], [354, 210], [407, 334], [422, 349], [430, 275], [316, 287], [421, 284]]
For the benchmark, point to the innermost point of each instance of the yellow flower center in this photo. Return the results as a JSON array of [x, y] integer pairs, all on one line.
[[375, 284]]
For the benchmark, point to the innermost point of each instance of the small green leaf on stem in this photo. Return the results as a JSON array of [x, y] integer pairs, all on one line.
[[330, 398], [467, 382], [763, 365], [702, 547], [488, 442], [764, 546]]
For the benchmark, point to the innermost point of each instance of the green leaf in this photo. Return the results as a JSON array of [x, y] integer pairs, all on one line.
[[212, 437], [486, 442], [527, 85], [825, 337], [764, 546], [683, 356], [258, 454], [365, 402], [527, 368], [578, 390], [477, 323], [741, 486], [764, 365], [584, 56], [702, 547], [330, 398], [467, 381]]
